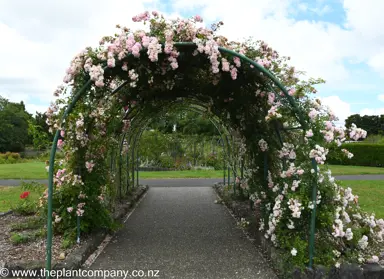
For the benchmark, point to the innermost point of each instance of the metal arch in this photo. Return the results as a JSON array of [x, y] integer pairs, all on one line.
[[82, 91], [198, 109], [140, 118], [212, 118], [298, 113]]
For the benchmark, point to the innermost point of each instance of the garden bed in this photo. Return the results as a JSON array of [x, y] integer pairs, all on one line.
[[242, 209], [31, 254]]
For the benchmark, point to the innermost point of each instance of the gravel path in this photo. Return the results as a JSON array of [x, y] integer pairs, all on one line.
[[181, 232]]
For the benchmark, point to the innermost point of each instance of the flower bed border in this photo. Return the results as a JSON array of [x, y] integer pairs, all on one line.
[[78, 256], [6, 213], [346, 271]]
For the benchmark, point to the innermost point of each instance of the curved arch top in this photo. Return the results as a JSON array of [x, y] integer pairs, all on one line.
[[87, 85]]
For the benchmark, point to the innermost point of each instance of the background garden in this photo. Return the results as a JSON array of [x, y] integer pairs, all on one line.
[[181, 144]]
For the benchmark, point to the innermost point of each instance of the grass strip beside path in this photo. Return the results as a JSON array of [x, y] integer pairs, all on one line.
[[36, 170], [371, 195], [354, 170], [30, 170], [10, 196], [370, 192], [181, 174]]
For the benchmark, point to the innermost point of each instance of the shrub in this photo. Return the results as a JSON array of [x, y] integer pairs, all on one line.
[[26, 204], [365, 154], [15, 156], [214, 161], [11, 161], [45, 156], [10, 158], [18, 238], [166, 161]]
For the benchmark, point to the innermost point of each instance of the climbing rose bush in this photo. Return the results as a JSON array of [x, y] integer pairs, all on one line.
[[289, 133]]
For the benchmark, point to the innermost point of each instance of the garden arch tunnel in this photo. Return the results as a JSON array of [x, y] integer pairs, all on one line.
[[244, 96], [139, 124]]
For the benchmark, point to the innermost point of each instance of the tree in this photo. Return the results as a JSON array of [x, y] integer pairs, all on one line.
[[38, 129], [40, 120], [373, 124], [40, 138], [187, 122], [13, 126]]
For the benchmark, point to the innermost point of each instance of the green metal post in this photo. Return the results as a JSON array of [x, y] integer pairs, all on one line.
[[224, 166], [133, 167], [121, 163], [242, 168], [281, 143], [78, 230], [266, 168], [137, 166], [127, 169], [50, 177], [313, 216], [128, 161], [50, 209], [229, 176], [119, 173]]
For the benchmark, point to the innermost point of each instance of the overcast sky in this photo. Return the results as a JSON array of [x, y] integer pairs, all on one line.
[[341, 41]]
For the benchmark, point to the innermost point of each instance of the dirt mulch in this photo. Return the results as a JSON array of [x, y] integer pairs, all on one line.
[[32, 252]]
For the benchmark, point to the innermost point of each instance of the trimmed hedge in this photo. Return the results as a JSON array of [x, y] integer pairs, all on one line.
[[365, 154], [10, 158]]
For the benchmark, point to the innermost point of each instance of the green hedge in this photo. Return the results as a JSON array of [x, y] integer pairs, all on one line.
[[10, 158], [365, 154]]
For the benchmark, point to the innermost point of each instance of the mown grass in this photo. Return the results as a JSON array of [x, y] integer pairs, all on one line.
[[371, 194], [29, 170], [36, 170], [354, 170], [10, 196], [181, 174]]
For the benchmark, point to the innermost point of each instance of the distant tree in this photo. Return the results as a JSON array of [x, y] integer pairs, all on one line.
[[13, 126], [187, 122], [40, 138], [373, 124], [40, 121]]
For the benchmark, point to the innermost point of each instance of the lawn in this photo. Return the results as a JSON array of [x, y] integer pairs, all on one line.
[[10, 196], [29, 170], [181, 174], [36, 170], [354, 170], [371, 194]]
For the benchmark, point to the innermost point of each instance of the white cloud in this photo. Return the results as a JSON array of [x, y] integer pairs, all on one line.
[[376, 61], [40, 42], [317, 47], [368, 111], [374, 111], [339, 107]]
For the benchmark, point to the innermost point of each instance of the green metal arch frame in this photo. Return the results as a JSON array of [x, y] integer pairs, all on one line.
[[200, 108], [87, 84]]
